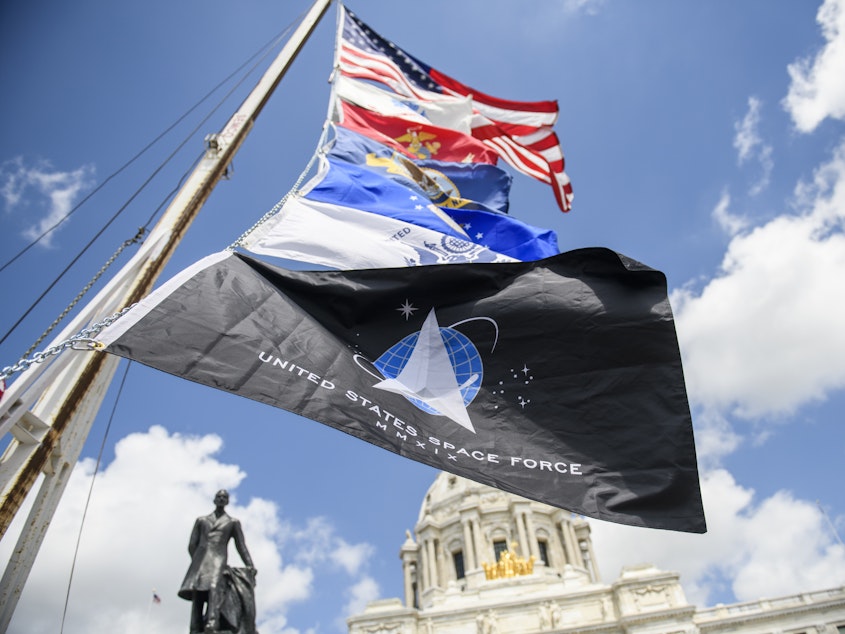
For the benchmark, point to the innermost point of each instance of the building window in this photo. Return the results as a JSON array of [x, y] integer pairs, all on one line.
[[499, 547], [458, 558], [544, 551], [840, 629]]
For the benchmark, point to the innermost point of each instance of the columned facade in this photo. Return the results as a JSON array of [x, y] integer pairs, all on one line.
[[482, 561]]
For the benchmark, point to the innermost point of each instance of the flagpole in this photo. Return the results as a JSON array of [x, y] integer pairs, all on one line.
[[49, 409]]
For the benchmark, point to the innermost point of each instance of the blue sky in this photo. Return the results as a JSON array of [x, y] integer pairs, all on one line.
[[704, 139]]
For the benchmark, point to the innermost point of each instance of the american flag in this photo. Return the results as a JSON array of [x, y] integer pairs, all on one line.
[[518, 131]]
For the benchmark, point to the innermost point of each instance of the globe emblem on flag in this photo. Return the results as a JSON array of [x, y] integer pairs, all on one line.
[[463, 357], [438, 370], [457, 245]]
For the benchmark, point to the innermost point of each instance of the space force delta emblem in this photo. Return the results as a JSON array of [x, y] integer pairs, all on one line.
[[559, 380]]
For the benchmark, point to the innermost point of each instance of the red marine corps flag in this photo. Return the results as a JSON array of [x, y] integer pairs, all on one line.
[[559, 379], [415, 139]]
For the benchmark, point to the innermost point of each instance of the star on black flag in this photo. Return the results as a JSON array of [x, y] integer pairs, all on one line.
[[559, 380]]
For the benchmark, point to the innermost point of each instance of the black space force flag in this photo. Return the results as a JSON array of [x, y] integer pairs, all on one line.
[[559, 380]]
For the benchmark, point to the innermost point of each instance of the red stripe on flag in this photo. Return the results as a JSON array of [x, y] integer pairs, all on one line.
[[530, 162], [362, 65], [415, 139], [546, 107]]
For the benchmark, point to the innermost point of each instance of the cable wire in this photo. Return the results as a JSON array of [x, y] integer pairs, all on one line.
[[272, 43], [140, 189], [90, 491]]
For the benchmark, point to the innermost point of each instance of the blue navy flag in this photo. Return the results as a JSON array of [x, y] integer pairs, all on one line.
[[360, 187], [456, 185], [559, 380]]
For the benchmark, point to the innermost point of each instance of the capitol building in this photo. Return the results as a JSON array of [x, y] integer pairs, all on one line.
[[483, 561]]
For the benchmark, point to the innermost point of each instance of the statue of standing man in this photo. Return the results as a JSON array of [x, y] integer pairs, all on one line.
[[222, 597]]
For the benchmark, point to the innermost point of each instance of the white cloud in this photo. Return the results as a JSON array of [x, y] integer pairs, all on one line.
[[135, 540], [730, 223], [813, 560], [53, 190], [351, 557], [318, 543], [817, 90], [740, 552], [715, 438], [361, 594], [759, 340], [12, 182], [749, 145], [747, 137], [765, 335], [590, 7], [767, 164]]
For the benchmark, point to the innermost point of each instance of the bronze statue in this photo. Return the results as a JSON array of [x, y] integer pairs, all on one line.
[[222, 597]]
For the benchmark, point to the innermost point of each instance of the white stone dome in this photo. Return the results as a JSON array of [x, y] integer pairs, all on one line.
[[449, 492]]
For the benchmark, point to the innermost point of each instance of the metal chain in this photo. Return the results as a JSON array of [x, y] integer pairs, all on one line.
[[239, 242], [138, 237], [84, 337], [277, 207]]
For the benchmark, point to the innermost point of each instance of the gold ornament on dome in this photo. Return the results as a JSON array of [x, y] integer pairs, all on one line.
[[509, 565]]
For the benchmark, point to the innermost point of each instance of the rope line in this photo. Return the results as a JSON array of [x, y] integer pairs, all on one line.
[[278, 206], [86, 336], [126, 243], [90, 491], [136, 194], [272, 43]]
